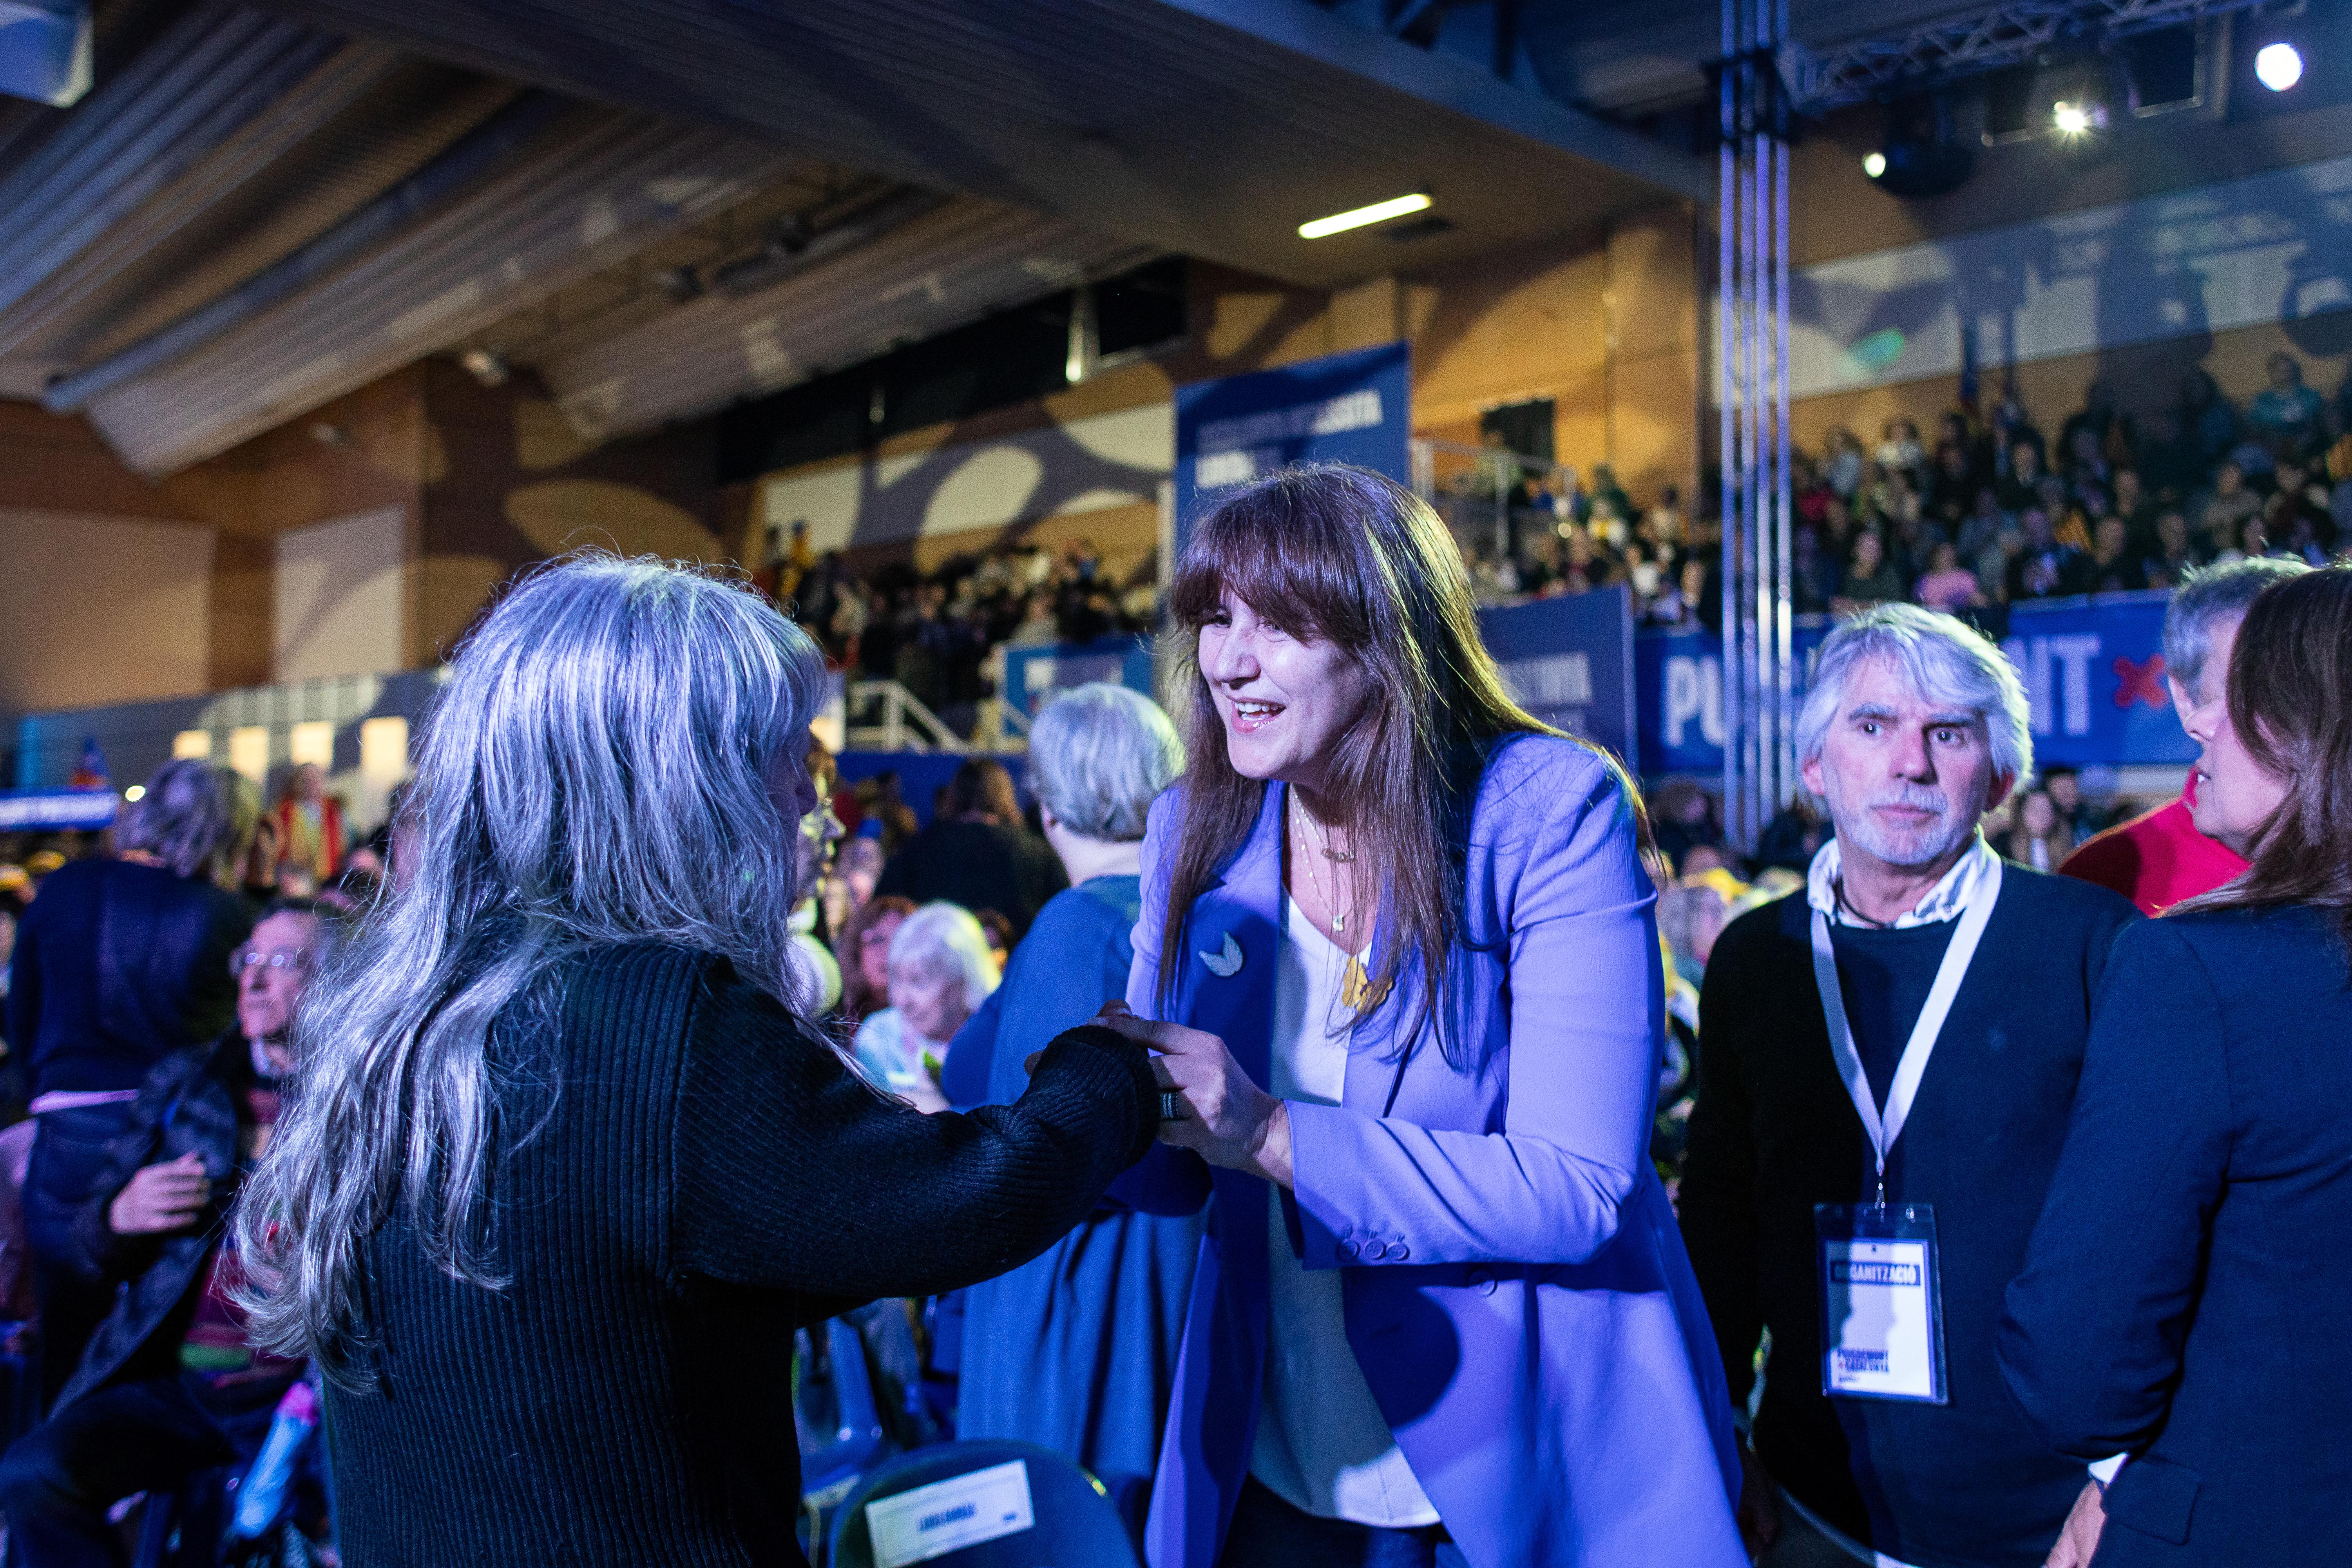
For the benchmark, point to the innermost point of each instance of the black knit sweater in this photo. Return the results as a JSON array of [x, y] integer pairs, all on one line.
[[685, 1176]]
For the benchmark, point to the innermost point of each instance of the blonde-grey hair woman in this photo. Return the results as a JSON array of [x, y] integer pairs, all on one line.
[[941, 972], [566, 1165]]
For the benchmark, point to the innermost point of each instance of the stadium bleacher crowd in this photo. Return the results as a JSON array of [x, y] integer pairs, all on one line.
[[1994, 509]]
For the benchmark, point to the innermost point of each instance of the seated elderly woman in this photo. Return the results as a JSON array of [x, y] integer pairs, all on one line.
[[1076, 1349], [941, 972]]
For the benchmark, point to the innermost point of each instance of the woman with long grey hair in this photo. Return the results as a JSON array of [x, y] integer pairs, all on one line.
[[564, 1166]]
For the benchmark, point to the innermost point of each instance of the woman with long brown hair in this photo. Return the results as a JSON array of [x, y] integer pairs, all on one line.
[[1401, 943], [2188, 1299]]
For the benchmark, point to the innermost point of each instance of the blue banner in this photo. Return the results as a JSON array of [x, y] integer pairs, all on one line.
[[1033, 674], [1344, 408], [1569, 661], [2093, 667], [37, 810], [1678, 695]]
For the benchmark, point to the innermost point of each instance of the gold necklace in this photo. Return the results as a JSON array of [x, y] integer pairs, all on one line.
[[1358, 992], [1323, 847]]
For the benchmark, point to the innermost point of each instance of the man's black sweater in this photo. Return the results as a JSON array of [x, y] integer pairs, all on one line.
[[1773, 1132], [685, 1176]]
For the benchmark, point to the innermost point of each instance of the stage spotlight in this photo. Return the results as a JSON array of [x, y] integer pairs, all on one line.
[[2076, 119], [1873, 163], [2278, 65]]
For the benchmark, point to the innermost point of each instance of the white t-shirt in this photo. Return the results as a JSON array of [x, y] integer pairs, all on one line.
[[1322, 1443]]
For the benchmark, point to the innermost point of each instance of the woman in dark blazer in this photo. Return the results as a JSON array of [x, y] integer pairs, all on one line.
[[2186, 1300]]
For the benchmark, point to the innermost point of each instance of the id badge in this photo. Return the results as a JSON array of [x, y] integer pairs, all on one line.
[[1881, 1304]]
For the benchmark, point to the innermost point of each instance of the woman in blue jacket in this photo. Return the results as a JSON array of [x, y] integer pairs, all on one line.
[[1402, 943]]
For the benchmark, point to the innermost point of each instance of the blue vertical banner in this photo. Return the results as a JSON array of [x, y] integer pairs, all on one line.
[[1353, 407], [1569, 661]]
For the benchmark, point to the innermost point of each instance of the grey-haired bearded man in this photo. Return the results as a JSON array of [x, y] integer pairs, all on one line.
[[1886, 1063]]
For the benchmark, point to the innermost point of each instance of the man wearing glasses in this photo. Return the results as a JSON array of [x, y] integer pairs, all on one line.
[[167, 1386]]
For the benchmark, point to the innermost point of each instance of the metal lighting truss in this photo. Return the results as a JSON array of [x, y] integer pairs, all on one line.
[[1982, 40], [1759, 773]]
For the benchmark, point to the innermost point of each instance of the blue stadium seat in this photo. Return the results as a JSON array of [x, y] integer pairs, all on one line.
[[1076, 1525], [858, 1440]]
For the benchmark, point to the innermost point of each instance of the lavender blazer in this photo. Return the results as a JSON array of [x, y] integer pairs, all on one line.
[[1516, 1292]]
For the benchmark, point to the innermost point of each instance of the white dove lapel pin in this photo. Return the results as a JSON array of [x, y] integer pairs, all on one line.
[[1226, 964]]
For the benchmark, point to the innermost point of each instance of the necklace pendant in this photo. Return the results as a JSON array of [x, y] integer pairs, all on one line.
[[1357, 992], [1335, 855], [1338, 922]]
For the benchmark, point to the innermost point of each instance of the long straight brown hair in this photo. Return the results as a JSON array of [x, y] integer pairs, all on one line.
[[2290, 704], [1328, 550]]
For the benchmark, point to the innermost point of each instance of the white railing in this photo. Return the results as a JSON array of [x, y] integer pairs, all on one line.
[[896, 720]]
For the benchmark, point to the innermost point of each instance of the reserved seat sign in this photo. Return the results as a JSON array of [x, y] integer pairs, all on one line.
[[962, 1510]]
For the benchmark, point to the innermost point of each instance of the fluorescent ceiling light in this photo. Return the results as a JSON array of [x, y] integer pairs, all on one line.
[[1379, 211]]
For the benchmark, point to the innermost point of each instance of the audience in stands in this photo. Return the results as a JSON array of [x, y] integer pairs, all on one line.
[[2117, 503], [932, 632], [1987, 513]]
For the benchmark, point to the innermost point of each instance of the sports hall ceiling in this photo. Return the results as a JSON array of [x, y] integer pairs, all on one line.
[[261, 205]]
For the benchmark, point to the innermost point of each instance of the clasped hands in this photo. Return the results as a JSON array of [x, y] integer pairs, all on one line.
[[162, 1198], [1223, 1115]]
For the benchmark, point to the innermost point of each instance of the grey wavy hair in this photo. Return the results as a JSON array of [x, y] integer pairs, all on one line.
[[600, 768], [197, 817], [1946, 661], [2207, 596], [1099, 755]]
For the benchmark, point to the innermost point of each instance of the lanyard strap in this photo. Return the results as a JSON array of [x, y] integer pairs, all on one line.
[[1914, 1066]]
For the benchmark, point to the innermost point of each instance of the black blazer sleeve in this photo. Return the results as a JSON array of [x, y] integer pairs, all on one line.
[[1717, 1199], [792, 1173], [2091, 1340]]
